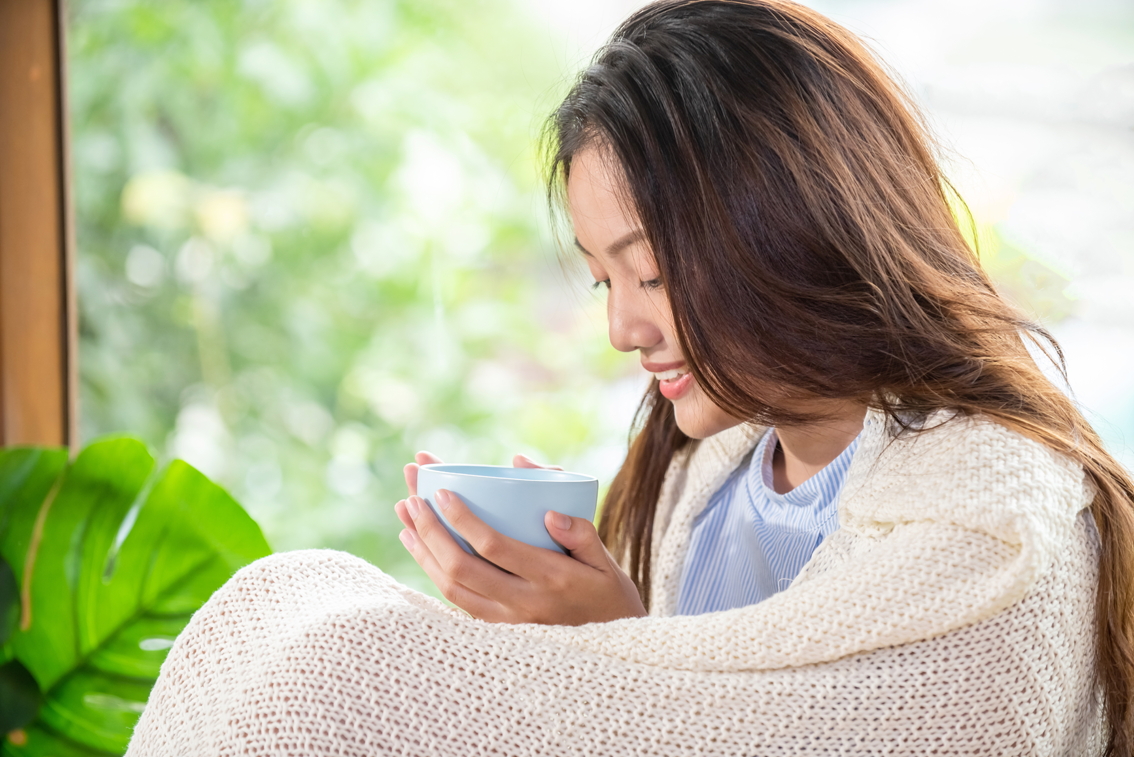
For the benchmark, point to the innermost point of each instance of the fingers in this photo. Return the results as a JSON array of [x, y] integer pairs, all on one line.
[[411, 469], [512, 555], [410, 472], [523, 461], [463, 597], [403, 514], [580, 538], [544, 586], [456, 566]]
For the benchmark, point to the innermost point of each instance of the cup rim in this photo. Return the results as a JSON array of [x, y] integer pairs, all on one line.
[[575, 478]]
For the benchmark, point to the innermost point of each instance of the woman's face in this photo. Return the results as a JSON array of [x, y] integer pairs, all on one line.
[[637, 307]]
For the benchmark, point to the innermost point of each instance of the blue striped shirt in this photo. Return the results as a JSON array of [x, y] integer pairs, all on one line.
[[750, 542]]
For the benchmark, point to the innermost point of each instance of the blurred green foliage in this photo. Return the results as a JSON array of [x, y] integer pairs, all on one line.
[[312, 241]]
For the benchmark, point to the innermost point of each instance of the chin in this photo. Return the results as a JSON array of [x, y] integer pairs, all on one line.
[[699, 418]]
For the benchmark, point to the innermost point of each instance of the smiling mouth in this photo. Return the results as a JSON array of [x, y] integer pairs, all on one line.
[[674, 384], [671, 375]]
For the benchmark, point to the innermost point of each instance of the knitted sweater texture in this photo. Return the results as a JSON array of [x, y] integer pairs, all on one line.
[[951, 614]]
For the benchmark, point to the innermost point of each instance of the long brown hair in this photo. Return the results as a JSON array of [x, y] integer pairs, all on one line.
[[804, 234]]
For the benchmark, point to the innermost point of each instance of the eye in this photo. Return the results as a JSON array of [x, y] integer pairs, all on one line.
[[604, 282], [652, 284]]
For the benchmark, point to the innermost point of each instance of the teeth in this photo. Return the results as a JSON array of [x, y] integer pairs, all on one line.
[[670, 375]]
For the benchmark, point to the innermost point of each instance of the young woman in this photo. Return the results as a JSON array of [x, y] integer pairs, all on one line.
[[859, 517]]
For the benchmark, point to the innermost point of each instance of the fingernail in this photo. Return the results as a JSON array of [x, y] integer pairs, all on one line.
[[407, 538], [443, 499], [411, 505], [561, 521]]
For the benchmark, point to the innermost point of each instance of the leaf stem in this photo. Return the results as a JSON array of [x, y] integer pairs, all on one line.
[[33, 551]]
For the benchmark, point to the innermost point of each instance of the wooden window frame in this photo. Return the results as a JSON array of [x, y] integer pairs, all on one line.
[[38, 315]]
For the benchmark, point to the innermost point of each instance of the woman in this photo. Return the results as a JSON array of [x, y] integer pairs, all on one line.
[[777, 242]]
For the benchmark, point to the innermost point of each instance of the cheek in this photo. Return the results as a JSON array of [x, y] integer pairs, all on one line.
[[708, 409], [662, 316]]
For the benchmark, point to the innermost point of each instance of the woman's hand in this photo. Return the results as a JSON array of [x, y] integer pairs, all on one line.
[[531, 584]]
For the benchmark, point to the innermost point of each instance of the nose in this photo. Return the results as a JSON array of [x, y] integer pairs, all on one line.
[[632, 321]]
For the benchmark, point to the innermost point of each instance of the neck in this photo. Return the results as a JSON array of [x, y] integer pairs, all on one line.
[[806, 450]]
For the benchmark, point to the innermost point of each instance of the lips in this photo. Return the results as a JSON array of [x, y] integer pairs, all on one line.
[[674, 379], [674, 388], [656, 368]]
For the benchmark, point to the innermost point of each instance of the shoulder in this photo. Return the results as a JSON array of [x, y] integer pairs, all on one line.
[[966, 470], [968, 442]]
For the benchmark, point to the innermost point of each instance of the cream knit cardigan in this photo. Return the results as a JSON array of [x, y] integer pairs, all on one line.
[[951, 614]]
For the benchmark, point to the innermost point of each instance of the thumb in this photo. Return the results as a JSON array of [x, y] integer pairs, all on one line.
[[579, 537]]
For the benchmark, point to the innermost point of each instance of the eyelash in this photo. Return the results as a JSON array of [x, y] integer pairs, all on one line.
[[651, 284]]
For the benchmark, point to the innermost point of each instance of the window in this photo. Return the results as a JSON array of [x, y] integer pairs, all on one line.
[[37, 314]]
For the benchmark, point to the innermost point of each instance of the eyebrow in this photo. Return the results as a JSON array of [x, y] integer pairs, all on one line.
[[618, 245]]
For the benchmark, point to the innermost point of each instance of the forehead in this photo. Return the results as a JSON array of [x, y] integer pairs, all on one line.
[[598, 201]]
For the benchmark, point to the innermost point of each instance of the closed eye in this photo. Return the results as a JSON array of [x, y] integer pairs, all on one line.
[[604, 282], [652, 283]]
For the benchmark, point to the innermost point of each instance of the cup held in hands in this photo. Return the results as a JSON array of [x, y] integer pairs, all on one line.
[[512, 501]]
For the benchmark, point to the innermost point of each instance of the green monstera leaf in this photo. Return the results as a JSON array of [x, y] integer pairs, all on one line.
[[9, 603], [110, 561], [20, 698]]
